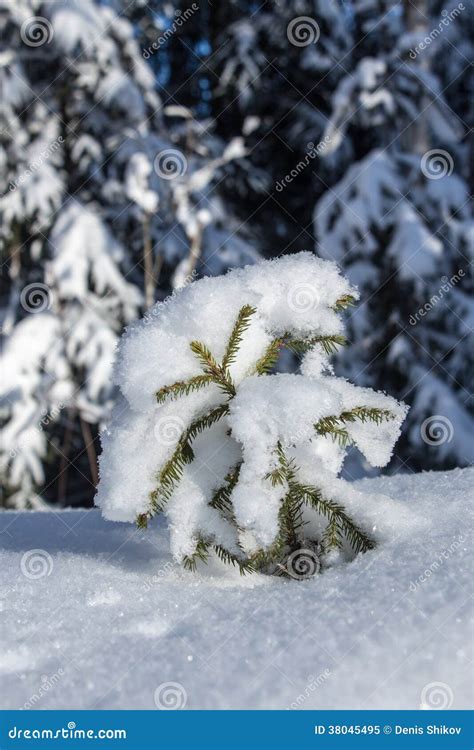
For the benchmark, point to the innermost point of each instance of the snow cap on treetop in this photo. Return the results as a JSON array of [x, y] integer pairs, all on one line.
[[294, 293]]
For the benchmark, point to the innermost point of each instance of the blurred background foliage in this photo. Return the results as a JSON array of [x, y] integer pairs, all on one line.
[[146, 144]]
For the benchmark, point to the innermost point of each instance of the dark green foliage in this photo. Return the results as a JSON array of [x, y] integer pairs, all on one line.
[[241, 325], [340, 525], [298, 346], [334, 425], [296, 495], [178, 389], [343, 302]]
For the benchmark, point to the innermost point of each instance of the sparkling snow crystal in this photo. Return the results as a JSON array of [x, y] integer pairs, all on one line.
[[240, 460]]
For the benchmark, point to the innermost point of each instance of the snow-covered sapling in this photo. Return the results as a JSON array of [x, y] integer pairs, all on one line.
[[244, 462]]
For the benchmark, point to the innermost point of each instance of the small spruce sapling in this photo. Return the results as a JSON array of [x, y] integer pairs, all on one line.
[[264, 514]]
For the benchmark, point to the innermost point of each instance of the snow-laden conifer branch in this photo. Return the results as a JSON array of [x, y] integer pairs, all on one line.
[[347, 300], [183, 388], [235, 340], [172, 471], [340, 526], [248, 472], [268, 361], [334, 425], [218, 373]]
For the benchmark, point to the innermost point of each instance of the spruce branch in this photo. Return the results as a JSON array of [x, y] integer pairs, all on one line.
[[235, 340], [367, 414], [183, 388], [333, 535], [204, 423], [290, 517], [330, 426], [359, 541], [269, 359], [329, 343], [334, 425], [200, 553], [347, 300], [340, 525], [221, 498], [206, 359], [183, 454], [211, 367], [245, 566]]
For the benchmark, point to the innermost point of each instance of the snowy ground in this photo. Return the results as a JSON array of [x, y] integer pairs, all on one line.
[[102, 617]]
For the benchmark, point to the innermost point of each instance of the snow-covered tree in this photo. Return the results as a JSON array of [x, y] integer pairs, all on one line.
[[105, 209], [400, 224], [242, 461], [274, 66], [74, 85]]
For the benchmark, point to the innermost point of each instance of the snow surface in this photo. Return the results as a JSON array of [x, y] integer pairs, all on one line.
[[112, 617]]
